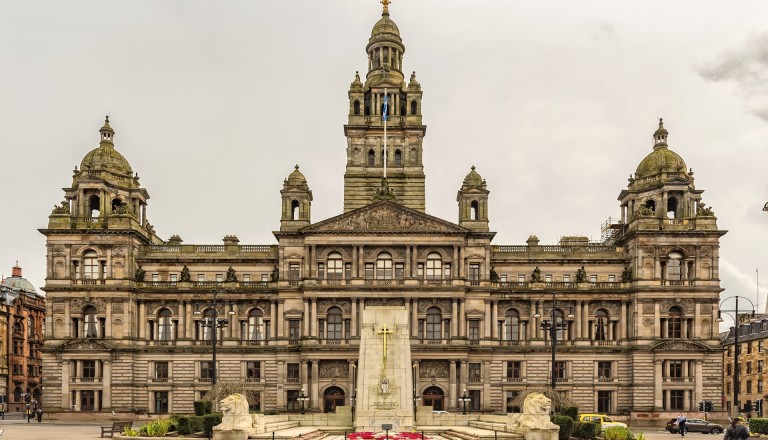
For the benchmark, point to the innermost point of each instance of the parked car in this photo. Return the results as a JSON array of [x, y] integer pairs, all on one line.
[[695, 425], [605, 421]]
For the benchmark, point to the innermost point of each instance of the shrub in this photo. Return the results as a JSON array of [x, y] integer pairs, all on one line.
[[155, 428], [758, 425], [566, 426], [571, 411], [617, 433], [185, 425], [203, 407], [130, 432], [587, 430], [209, 421]]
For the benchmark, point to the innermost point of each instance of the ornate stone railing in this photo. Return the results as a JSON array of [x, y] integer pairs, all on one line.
[[248, 251], [208, 285]]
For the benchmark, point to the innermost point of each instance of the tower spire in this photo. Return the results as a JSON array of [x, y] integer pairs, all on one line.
[[385, 10]]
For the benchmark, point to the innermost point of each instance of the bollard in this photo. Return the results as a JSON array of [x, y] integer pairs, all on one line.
[[273, 435], [494, 435]]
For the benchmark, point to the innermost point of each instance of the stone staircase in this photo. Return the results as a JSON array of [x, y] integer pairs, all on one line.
[[477, 434]]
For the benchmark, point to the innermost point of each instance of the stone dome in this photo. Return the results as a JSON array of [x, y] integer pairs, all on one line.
[[473, 178], [385, 26], [658, 161], [105, 157], [296, 178]]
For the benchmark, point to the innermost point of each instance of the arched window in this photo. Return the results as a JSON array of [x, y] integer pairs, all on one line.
[[333, 396], [434, 266], [255, 325], [206, 325], [398, 158], [357, 107], [115, 203], [512, 325], [675, 322], [561, 325], [89, 318], [384, 266], [294, 209], [17, 394], [434, 321], [651, 205], [672, 207], [674, 266], [164, 326], [434, 396], [30, 327], [473, 210], [335, 266], [334, 323], [413, 107], [90, 266], [402, 109], [94, 204], [601, 325], [371, 158]]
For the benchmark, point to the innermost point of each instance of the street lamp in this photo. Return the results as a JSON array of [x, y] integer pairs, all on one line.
[[464, 399], [302, 398], [215, 323], [553, 326], [735, 345]]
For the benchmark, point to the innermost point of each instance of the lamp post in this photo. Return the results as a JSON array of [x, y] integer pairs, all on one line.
[[215, 323], [553, 326], [464, 399], [735, 345], [302, 398]]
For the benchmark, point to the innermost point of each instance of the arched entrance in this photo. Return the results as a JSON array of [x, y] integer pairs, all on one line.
[[433, 396], [333, 397]]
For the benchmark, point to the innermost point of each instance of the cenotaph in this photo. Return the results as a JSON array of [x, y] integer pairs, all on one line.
[[384, 376]]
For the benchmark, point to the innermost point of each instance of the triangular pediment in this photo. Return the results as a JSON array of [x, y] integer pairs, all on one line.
[[678, 346], [385, 216], [89, 345]]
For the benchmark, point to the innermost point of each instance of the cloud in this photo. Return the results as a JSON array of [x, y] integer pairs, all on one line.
[[747, 68]]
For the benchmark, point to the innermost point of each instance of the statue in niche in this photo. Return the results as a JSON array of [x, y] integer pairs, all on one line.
[[140, 273], [275, 274], [626, 276], [494, 275], [536, 275], [185, 274], [581, 275], [384, 386], [231, 275]]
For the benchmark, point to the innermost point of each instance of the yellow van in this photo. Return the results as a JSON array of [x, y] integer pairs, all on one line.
[[605, 421]]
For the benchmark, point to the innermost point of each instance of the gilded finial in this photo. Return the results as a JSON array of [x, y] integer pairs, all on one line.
[[385, 11]]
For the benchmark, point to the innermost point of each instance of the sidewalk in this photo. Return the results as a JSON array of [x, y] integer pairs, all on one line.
[[18, 429]]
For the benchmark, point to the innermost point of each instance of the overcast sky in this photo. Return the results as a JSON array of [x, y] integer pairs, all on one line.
[[555, 103]]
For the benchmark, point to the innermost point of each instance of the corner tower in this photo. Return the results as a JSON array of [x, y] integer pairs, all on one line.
[[365, 129]]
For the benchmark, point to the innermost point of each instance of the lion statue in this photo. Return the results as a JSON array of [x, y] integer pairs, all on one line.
[[235, 410], [536, 409]]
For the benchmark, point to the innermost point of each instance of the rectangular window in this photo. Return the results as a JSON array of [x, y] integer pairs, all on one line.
[[604, 402], [603, 370], [174, 277], [611, 278], [291, 399], [292, 372], [206, 371], [560, 373], [89, 369], [749, 348], [511, 396], [219, 277], [369, 271], [503, 278], [246, 277], [421, 329], [399, 271], [447, 271], [293, 330], [252, 371], [593, 278], [447, 329], [347, 271], [729, 369], [514, 371], [320, 271], [749, 386], [566, 278], [161, 402], [676, 398], [155, 277], [760, 386], [420, 271], [749, 367], [521, 278], [675, 369], [474, 274], [474, 371], [759, 366], [161, 370], [759, 346], [548, 278], [200, 277], [294, 272], [474, 330], [265, 277]]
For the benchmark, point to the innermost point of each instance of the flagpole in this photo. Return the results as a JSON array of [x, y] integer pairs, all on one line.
[[385, 116]]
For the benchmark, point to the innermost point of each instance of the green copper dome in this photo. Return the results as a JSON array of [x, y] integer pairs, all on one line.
[[661, 159]]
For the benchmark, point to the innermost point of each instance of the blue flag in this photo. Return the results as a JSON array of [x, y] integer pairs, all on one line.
[[385, 109]]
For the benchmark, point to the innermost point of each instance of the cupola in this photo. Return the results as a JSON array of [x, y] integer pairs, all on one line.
[[473, 202], [297, 202]]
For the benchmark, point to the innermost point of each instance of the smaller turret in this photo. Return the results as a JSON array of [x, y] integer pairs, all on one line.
[[297, 202], [473, 202]]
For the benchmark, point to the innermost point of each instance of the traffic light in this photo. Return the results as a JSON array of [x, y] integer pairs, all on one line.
[[748, 406], [26, 398], [708, 406], [701, 405]]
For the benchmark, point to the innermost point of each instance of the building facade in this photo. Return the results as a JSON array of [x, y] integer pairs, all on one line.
[[633, 315], [752, 372], [22, 316]]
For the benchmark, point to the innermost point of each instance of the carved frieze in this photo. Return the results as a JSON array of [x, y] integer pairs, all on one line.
[[384, 302], [334, 369], [324, 304], [118, 251], [433, 369], [706, 251], [77, 304], [59, 251], [677, 346], [648, 307], [384, 217], [58, 307], [155, 306], [611, 307], [687, 305], [444, 304], [522, 307], [117, 306]]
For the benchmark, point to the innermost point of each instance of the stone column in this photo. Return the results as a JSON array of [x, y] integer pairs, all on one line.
[[280, 318], [462, 319], [313, 319], [415, 317], [354, 262], [315, 387], [361, 262], [280, 384], [486, 403], [577, 320], [657, 385], [305, 323], [456, 262], [494, 319], [107, 384], [455, 318], [351, 379], [623, 322], [695, 330], [462, 381], [699, 379], [304, 374], [452, 396], [407, 267], [313, 263], [353, 320], [141, 320], [585, 321], [65, 366]]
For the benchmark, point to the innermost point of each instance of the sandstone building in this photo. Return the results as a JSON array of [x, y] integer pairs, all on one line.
[[634, 315]]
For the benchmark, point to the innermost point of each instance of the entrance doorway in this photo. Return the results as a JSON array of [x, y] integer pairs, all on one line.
[[87, 399], [433, 396], [334, 396]]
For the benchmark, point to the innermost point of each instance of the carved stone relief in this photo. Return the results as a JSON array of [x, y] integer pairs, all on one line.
[[384, 218], [334, 369], [687, 305], [118, 251], [648, 307], [117, 306], [58, 307], [324, 304], [384, 302], [77, 304], [433, 369], [59, 251], [444, 304], [611, 307]]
